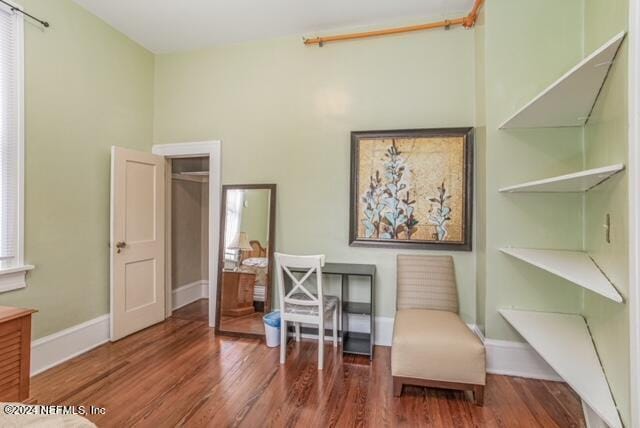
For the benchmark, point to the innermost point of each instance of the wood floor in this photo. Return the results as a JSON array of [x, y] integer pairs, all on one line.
[[179, 373]]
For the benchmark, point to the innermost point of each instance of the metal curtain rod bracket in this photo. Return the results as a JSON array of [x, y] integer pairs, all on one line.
[[467, 22], [45, 24]]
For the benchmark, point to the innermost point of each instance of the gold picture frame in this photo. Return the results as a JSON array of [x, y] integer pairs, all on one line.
[[412, 189]]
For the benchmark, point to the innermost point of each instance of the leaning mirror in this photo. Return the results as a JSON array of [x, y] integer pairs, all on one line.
[[247, 235]]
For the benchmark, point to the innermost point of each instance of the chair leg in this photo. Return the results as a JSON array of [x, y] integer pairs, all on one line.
[[335, 327], [283, 341], [397, 387], [297, 331], [478, 395], [321, 343]]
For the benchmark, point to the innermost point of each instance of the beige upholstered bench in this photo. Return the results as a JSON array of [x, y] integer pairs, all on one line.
[[432, 346]]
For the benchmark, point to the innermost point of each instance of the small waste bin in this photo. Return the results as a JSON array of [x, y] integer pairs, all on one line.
[[272, 328]]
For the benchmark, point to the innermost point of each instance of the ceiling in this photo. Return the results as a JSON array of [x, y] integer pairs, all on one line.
[[176, 25]]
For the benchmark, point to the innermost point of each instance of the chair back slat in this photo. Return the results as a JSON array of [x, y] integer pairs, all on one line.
[[426, 282], [313, 265], [299, 287]]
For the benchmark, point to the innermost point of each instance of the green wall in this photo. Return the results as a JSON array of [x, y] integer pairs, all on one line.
[[284, 112], [520, 61], [88, 87], [606, 143], [481, 171]]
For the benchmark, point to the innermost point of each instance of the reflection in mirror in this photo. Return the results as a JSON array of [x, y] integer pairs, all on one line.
[[246, 253]]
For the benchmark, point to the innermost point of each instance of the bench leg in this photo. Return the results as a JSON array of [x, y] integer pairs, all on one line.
[[478, 394], [397, 387]]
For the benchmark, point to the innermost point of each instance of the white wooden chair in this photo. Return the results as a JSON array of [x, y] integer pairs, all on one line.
[[299, 305]]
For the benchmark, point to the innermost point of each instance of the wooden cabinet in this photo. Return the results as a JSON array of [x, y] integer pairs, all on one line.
[[15, 353], [237, 293]]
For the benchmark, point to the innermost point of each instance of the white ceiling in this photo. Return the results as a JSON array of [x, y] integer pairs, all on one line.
[[175, 25]]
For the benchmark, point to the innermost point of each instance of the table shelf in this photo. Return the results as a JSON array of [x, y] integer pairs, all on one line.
[[356, 343], [357, 308]]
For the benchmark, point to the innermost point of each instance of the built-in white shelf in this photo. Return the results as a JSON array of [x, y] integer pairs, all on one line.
[[574, 266], [198, 177], [570, 99], [576, 182], [196, 173], [564, 342]]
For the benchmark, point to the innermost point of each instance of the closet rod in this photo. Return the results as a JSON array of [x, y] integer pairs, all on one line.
[[14, 8]]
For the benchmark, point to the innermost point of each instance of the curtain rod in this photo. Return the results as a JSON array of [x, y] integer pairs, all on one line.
[[467, 22], [45, 24]]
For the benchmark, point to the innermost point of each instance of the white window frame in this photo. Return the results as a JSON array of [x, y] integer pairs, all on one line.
[[14, 277]]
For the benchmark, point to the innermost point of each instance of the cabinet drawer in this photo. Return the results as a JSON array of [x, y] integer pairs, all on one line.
[[15, 353], [248, 294], [11, 354]]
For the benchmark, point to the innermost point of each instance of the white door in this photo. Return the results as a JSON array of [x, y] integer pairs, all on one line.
[[137, 241]]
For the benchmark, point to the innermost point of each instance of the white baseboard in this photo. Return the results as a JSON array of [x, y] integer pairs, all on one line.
[[591, 419], [189, 293], [503, 357], [49, 351], [517, 359], [360, 324]]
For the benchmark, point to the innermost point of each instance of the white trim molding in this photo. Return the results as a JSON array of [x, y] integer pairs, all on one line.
[[503, 357], [189, 293], [49, 351], [212, 149], [591, 419], [517, 359], [14, 278]]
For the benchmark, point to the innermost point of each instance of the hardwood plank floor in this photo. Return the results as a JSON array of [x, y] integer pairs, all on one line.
[[178, 373]]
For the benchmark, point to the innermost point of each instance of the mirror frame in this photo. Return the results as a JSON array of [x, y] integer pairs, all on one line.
[[270, 251]]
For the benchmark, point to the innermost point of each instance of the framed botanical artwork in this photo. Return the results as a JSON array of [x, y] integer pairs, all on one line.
[[412, 189]]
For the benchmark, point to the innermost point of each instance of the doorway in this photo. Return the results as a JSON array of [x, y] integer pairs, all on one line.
[[187, 230], [198, 161]]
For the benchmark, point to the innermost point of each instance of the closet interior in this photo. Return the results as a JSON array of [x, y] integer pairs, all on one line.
[[189, 231]]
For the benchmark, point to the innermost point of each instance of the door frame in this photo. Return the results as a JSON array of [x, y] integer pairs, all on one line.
[[212, 149]]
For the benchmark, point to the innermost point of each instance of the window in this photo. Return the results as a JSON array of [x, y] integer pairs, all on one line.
[[235, 206], [12, 267]]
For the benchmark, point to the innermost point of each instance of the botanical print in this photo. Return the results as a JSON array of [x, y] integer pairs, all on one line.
[[441, 215], [411, 189]]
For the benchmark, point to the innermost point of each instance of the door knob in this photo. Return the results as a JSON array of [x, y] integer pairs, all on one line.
[[120, 245]]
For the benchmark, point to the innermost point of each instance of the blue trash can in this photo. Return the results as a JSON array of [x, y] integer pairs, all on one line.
[[272, 328]]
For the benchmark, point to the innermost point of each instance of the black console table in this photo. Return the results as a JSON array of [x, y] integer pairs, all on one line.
[[352, 342]]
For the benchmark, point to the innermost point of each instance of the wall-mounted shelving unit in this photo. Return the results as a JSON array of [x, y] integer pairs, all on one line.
[[569, 100], [574, 266], [564, 342], [570, 183]]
